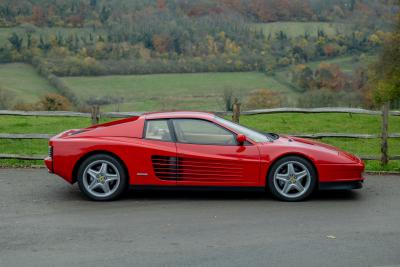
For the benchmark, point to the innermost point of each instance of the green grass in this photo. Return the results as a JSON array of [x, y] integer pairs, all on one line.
[[172, 91], [319, 123], [279, 123], [24, 81], [40, 124], [294, 29], [346, 63]]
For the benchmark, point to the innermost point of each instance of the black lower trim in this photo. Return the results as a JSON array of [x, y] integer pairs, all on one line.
[[340, 185], [199, 188]]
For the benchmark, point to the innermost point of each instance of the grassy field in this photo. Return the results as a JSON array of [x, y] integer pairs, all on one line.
[[279, 123], [294, 29], [178, 91], [24, 81], [201, 91]]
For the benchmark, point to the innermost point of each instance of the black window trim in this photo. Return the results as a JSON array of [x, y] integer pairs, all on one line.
[[206, 144]]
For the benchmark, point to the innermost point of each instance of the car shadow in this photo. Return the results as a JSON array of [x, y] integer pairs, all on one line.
[[215, 195]]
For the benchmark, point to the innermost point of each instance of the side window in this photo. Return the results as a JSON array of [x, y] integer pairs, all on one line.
[[202, 132], [157, 130]]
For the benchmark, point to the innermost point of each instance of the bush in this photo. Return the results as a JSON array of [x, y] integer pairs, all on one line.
[[53, 102], [263, 98], [328, 98], [26, 106], [6, 96]]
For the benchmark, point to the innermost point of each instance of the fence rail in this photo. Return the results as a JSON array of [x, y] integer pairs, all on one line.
[[248, 112], [313, 136], [245, 112]]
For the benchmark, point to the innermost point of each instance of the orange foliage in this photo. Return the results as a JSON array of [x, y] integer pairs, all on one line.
[[161, 43]]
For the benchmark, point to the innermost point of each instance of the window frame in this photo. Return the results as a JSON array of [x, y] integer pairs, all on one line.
[[203, 144], [170, 128]]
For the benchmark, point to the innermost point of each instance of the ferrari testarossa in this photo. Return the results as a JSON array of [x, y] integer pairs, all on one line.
[[187, 150]]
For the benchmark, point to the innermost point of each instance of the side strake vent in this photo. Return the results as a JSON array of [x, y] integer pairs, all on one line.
[[165, 168], [190, 169]]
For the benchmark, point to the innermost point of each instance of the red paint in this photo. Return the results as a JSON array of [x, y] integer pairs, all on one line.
[[182, 164]]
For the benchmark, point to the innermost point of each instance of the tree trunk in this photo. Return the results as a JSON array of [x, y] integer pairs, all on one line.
[[385, 133]]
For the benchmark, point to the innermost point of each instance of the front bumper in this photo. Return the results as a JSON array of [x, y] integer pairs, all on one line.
[[341, 185]]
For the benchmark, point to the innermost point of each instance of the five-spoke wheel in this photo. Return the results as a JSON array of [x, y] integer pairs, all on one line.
[[101, 177], [292, 179]]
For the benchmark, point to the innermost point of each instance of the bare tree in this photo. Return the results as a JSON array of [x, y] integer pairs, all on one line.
[[227, 99]]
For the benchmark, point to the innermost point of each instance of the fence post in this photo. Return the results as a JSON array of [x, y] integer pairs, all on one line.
[[95, 114], [236, 110], [384, 136]]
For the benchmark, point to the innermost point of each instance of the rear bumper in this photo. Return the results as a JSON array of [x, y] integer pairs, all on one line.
[[341, 185], [49, 164]]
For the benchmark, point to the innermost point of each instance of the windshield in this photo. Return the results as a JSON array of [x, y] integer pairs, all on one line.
[[253, 135]]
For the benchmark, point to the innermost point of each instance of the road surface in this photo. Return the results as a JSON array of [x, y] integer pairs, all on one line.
[[46, 222]]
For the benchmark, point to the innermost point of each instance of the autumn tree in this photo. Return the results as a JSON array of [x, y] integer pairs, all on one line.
[[386, 81], [386, 71]]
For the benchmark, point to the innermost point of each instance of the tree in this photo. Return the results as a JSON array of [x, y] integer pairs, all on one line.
[[16, 41], [104, 14], [386, 71], [386, 81], [227, 99], [38, 15]]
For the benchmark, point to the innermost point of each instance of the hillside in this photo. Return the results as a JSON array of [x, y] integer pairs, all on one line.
[[286, 50]]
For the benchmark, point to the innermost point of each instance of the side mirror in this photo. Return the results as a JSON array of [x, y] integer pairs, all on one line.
[[241, 138]]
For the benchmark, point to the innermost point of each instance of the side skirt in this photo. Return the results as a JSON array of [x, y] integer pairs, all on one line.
[[198, 188]]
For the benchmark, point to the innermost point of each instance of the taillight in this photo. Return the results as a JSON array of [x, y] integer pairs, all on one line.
[[51, 151]]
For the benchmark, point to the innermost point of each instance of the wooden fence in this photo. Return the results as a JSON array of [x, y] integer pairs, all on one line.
[[95, 114]]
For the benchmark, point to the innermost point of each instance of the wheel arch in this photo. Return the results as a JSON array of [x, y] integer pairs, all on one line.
[[95, 152], [307, 158]]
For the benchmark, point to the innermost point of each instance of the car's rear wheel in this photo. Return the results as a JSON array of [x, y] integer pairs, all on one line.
[[292, 178], [102, 177]]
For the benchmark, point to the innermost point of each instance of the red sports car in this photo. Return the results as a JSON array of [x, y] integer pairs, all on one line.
[[196, 150]]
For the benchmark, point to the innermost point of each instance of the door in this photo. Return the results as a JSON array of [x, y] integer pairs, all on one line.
[[209, 155], [157, 154]]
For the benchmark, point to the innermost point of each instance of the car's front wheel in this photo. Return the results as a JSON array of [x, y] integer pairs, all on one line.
[[292, 179], [102, 177]]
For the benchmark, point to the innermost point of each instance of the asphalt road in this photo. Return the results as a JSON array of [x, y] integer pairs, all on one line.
[[46, 222]]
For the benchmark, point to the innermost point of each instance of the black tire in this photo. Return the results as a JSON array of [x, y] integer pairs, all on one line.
[[120, 187], [306, 193]]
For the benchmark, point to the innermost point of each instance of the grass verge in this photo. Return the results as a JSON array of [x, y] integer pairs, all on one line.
[[280, 123]]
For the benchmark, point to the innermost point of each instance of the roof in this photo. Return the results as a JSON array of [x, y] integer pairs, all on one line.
[[179, 114]]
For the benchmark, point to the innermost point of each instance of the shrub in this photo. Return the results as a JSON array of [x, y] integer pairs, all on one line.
[[328, 98], [52, 102], [263, 98], [6, 96]]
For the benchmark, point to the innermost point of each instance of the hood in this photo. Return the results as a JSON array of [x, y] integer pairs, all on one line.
[[316, 144]]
